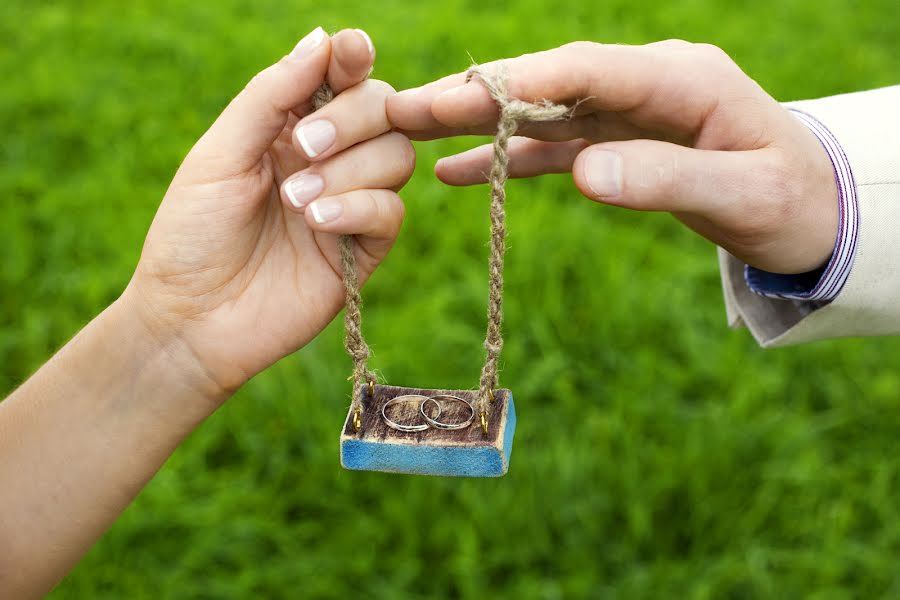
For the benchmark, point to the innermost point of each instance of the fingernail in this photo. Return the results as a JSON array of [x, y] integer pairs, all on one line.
[[304, 188], [603, 172], [308, 43], [316, 137], [452, 92], [367, 39], [327, 209]]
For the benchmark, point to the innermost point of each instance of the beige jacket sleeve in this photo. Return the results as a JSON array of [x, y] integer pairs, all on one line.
[[867, 125]]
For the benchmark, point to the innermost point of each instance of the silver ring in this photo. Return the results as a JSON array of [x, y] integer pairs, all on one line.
[[437, 424], [406, 398]]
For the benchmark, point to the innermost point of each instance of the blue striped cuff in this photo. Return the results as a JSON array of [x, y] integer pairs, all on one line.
[[823, 284]]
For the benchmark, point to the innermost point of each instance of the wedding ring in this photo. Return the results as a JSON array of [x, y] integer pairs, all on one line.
[[406, 398], [437, 424]]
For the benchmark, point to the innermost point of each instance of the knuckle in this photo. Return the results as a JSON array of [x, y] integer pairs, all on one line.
[[713, 54], [261, 79], [711, 64], [406, 154], [581, 46], [672, 43], [398, 157], [382, 202], [375, 205], [397, 211], [666, 177]]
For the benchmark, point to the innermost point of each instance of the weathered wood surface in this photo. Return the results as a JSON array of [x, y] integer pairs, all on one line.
[[375, 429], [464, 452]]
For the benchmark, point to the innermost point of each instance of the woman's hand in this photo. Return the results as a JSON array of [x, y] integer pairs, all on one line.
[[241, 265], [670, 126]]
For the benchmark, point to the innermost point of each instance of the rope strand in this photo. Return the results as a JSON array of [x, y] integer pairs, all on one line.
[[512, 112], [354, 342]]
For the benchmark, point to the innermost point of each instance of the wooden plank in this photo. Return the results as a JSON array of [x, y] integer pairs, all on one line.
[[462, 453]]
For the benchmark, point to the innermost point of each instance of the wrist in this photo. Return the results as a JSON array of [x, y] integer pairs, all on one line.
[[161, 346], [84, 434], [825, 227], [834, 220]]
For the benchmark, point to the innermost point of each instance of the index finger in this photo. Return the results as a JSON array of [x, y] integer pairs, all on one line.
[[410, 110], [643, 81]]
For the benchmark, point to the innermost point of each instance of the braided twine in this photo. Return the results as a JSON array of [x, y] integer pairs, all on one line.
[[354, 342], [512, 112]]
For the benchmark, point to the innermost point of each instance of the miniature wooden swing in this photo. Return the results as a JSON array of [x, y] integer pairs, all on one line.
[[464, 433]]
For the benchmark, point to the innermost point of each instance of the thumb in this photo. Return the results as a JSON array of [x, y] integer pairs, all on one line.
[[253, 120], [660, 176]]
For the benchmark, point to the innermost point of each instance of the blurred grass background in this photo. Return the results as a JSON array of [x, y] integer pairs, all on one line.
[[658, 455]]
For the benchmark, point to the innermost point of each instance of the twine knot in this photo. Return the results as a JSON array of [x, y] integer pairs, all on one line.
[[322, 96], [513, 109]]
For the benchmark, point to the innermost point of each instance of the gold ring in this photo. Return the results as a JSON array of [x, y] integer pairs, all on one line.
[[484, 423], [357, 419]]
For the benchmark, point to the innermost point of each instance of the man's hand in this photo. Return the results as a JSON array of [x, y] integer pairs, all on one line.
[[670, 126]]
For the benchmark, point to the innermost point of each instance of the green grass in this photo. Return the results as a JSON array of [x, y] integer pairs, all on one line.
[[658, 455]]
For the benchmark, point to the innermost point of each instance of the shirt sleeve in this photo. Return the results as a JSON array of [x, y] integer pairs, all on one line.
[[822, 285]]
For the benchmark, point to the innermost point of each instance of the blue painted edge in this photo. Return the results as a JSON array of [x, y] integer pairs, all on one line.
[[447, 461], [509, 432]]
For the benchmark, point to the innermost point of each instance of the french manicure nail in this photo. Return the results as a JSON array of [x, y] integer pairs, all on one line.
[[303, 189], [603, 172], [368, 40], [327, 209], [309, 43], [316, 137]]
